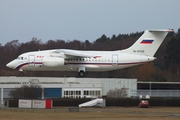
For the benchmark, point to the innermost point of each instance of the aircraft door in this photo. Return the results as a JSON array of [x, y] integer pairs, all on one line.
[[31, 60], [114, 60]]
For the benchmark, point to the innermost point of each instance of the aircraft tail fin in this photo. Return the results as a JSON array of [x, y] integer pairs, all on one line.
[[148, 43]]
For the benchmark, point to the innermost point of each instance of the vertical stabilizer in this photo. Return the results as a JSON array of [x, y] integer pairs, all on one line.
[[148, 43]]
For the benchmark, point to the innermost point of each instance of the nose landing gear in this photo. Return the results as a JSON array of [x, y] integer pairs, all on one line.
[[21, 73]]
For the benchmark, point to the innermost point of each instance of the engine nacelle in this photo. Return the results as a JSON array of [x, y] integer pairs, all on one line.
[[52, 61]]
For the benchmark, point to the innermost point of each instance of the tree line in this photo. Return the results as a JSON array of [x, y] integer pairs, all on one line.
[[165, 68]]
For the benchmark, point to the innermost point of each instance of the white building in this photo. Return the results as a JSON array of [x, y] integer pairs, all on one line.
[[54, 87]]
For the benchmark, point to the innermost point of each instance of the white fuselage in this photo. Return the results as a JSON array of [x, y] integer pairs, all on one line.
[[140, 52], [103, 61]]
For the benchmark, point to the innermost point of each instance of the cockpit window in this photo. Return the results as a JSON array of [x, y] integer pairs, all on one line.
[[19, 58]]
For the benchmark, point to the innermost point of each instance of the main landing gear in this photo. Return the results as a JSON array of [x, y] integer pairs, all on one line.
[[81, 71]]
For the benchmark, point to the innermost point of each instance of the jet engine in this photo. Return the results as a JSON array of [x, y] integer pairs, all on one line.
[[52, 61]]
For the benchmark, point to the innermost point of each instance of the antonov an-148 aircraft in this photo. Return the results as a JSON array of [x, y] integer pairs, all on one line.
[[141, 51]]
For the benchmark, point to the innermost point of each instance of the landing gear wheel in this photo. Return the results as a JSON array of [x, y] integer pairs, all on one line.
[[21, 73], [81, 73]]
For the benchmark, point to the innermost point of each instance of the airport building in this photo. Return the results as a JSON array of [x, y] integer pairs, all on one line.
[[58, 87], [55, 87]]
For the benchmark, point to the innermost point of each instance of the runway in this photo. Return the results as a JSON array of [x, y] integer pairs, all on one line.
[[107, 113]]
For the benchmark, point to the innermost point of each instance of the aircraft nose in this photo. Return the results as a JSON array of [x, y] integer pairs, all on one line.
[[10, 65]]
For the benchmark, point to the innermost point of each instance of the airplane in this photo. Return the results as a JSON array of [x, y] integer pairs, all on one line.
[[140, 52]]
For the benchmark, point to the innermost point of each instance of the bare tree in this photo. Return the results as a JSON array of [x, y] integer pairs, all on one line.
[[32, 91], [117, 93]]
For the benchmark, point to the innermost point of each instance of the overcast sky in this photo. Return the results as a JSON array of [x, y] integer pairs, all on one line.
[[83, 19]]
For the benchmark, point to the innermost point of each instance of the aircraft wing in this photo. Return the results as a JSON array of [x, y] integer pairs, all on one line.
[[74, 53]]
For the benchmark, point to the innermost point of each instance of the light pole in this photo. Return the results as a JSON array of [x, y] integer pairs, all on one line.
[[150, 88], [119, 84]]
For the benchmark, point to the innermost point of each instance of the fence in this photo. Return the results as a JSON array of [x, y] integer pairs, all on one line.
[[155, 93]]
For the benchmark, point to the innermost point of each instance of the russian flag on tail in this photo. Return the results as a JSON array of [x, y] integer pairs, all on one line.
[[147, 41]]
